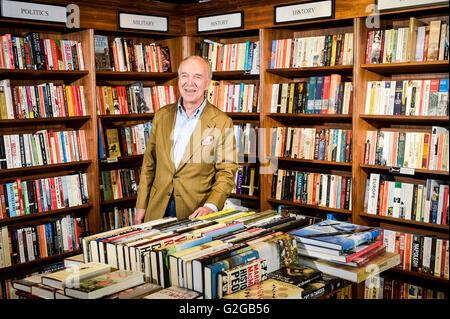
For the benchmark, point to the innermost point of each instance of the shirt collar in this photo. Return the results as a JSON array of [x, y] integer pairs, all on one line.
[[197, 113]]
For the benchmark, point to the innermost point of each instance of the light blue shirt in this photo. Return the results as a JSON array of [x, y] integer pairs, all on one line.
[[184, 126]]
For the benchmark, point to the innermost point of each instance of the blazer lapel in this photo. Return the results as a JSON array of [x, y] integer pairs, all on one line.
[[167, 132], [203, 126]]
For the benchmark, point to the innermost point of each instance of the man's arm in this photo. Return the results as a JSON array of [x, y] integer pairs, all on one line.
[[147, 175], [226, 168]]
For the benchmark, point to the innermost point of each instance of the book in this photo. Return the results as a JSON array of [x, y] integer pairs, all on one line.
[[105, 284], [268, 289], [138, 292], [322, 286], [71, 276], [296, 274], [174, 293], [336, 235]]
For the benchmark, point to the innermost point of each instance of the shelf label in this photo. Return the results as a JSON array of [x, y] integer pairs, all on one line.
[[234, 20], [112, 160], [389, 5], [143, 22], [305, 11], [33, 11], [402, 170]]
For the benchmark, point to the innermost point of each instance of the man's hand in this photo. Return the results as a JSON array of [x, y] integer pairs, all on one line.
[[201, 211], [139, 217]]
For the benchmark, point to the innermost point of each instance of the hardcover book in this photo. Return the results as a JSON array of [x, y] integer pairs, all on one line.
[[268, 289], [336, 234], [296, 275], [174, 293]]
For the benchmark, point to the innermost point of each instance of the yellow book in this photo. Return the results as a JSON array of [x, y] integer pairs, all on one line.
[[333, 50], [291, 97], [412, 38], [3, 110], [433, 42], [112, 140], [227, 219], [69, 100], [109, 96], [225, 211]]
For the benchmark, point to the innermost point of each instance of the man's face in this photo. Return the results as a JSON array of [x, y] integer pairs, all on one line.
[[193, 81]]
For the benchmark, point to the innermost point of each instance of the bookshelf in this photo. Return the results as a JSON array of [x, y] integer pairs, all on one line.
[[363, 122], [84, 78], [270, 76]]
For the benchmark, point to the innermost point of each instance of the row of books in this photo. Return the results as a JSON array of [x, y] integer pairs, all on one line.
[[41, 101], [418, 150], [42, 148], [242, 56], [247, 181], [418, 42], [312, 143], [425, 203], [320, 95], [133, 98], [316, 51], [418, 253], [21, 197], [408, 97], [389, 288], [326, 190], [31, 52], [61, 234], [243, 97], [246, 135], [116, 217], [202, 254], [122, 55], [123, 141], [119, 183]]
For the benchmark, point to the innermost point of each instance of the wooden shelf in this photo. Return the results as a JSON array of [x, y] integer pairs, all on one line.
[[118, 201], [408, 67], [416, 171], [243, 115], [40, 261], [134, 76], [41, 74], [317, 162], [408, 222], [17, 172], [127, 117], [380, 120], [234, 75], [121, 159], [316, 118], [286, 202], [420, 275], [48, 120], [67, 210], [244, 196], [311, 71]]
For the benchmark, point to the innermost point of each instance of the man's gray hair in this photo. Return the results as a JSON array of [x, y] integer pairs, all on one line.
[[209, 74]]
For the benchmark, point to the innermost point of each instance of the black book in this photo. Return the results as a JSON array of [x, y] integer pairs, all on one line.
[[415, 253], [74, 50], [36, 248], [37, 110], [328, 190], [274, 184], [15, 259], [48, 96], [276, 222], [414, 202], [296, 275], [340, 99], [330, 46], [290, 225], [16, 58], [433, 256], [3, 164], [322, 286], [25, 244], [348, 184], [283, 185], [37, 51], [42, 146], [5, 191], [338, 49], [28, 42], [291, 192]]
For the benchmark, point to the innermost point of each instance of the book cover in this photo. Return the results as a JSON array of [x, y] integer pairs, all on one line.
[[174, 293], [296, 275], [336, 234], [268, 289]]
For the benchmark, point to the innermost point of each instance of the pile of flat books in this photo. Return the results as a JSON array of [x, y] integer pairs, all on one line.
[[212, 256], [342, 249]]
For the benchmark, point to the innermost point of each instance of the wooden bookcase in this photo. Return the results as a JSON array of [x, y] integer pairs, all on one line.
[[389, 72], [22, 126], [326, 121], [183, 40]]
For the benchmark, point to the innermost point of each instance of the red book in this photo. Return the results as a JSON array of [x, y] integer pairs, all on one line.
[[54, 54], [326, 93], [159, 58], [427, 37], [19, 191], [53, 193], [314, 189], [444, 248], [388, 289], [383, 35], [362, 260], [407, 254], [365, 251], [369, 46], [444, 207], [342, 203], [348, 146], [44, 48], [38, 195], [166, 93], [61, 193], [219, 64], [2, 203]]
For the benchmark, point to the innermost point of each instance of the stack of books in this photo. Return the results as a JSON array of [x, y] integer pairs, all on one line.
[[341, 249]]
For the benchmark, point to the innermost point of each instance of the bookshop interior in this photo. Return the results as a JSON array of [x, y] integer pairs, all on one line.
[[329, 173]]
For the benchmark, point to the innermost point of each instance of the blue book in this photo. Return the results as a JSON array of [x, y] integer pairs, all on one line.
[[211, 271], [61, 143], [241, 96], [338, 195], [230, 98], [336, 235], [318, 95], [247, 47], [310, 95], [11, 201], [249, 60], [398, 97], [298, 195], [273, 55], [224, 230], [442, 107]]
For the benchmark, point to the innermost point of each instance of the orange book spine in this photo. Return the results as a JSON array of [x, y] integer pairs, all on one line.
[[439, 154]]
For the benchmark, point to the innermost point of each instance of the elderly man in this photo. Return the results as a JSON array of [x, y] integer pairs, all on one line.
[[189, 164]]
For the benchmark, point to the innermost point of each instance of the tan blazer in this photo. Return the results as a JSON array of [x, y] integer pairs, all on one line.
[[200, 178]]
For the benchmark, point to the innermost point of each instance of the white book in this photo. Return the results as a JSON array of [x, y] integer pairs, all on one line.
[[426, 260], [8, 98], [404, 44], [374, 184], [407, 198], [442, 41], [301, 52], [408, 97], [420, 44], [437, 259], [398, 53], [376, 101], [368, 93]]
